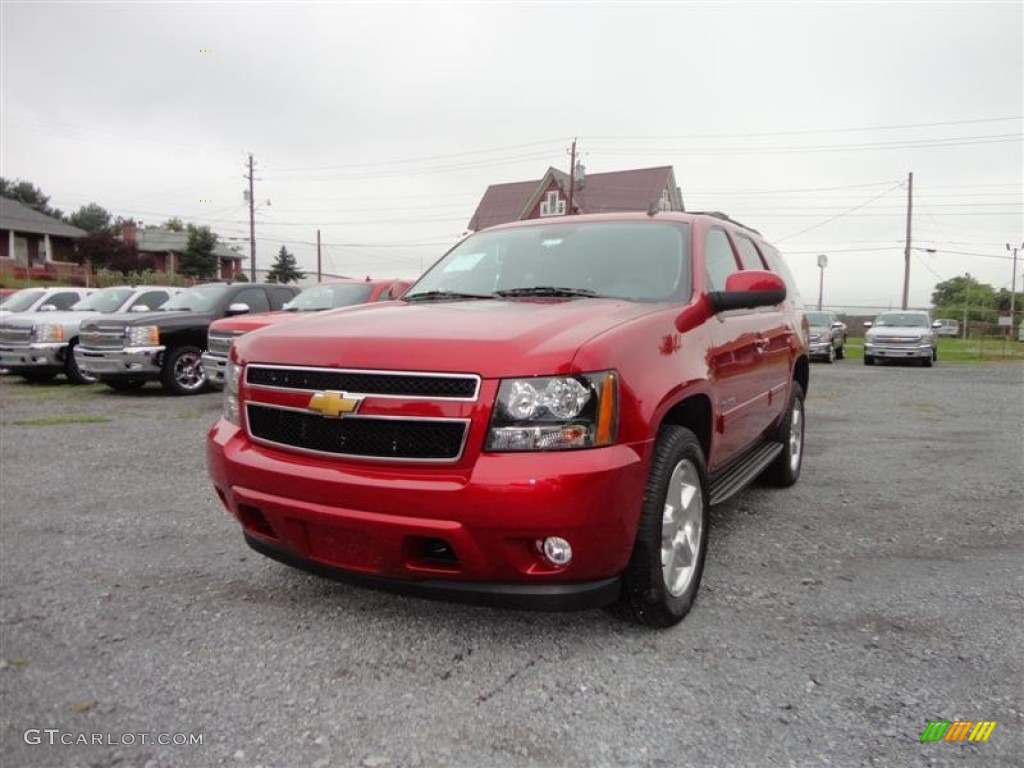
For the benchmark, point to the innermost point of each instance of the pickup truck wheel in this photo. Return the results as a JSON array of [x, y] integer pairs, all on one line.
[[869, 360], [182, 373], [926, 361], [125, 385], [663, 575], [73, 373], [785, 470], [831, 355], [841, 352]]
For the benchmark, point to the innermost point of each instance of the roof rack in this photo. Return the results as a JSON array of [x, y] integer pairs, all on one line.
[[725, 217]]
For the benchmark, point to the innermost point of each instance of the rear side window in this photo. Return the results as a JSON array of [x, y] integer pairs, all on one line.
[[719, 260], [778, 266], [151, 299], [748, 253], [279, 296]]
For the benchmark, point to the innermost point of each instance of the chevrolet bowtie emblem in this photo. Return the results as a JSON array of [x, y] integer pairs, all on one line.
[[333, 405]]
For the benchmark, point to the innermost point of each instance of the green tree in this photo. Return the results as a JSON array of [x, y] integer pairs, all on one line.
[[101, 250], [285, 269], [240, 277], [951, 297], [174, 224], [28, 194], [92, 218], [198, 259]]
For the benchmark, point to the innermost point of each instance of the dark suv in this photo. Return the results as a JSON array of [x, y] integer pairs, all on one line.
[[127, 350]]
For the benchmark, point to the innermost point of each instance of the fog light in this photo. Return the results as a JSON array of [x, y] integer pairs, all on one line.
[[556, 550]]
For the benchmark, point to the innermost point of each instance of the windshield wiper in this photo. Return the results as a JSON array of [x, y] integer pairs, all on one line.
[[443, 295], [546, 290]]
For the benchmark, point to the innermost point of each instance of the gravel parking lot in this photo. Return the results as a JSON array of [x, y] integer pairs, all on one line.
[[836, 619]]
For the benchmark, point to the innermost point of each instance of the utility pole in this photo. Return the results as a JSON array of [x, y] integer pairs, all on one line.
[[572, 177], [967, 302], [319, 274], [906, 251], [252, 227], [1013, 289]]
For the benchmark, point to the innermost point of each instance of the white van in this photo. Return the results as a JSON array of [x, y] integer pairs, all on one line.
[[948, 327]]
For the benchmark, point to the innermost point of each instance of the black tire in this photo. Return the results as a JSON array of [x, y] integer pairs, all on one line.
[[125, 385], [646, 596], [926, 361], [182, 373], [869, 360], [785, 470], [73, 373], [831, 356], [841, 352]]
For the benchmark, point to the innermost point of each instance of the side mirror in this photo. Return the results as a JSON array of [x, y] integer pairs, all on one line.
[[868, 323], [139, 308], [48, 308], [287, 305], [238, 309], [936, 324], [838, 324], [749, 289]]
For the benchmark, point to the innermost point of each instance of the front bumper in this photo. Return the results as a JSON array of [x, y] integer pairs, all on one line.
[[43, 357], [819, 348], [378, 525], [214, 368], [130, 362], [899, 352]]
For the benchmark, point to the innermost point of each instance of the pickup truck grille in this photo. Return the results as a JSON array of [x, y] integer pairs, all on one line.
[[358, 436], [100, 339], [379, 383], [11, 335], [907, 340], [219, 343]]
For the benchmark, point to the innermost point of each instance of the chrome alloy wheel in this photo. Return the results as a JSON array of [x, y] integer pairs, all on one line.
[[188, 371], [796, 434], [681, 522]]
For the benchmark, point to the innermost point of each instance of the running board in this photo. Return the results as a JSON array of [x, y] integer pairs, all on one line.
[[732, 480]]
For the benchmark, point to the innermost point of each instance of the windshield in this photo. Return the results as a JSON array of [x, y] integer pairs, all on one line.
[[107, 300], [819, 318], [330, 297], [903, 320], [22, 300], [636, 260], [203, 298]]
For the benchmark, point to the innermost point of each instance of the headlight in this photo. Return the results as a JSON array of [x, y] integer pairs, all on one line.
[[231, 378], [553, 413], [142, 336], [47, 332]]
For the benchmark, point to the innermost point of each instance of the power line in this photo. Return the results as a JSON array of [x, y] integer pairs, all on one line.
[[840, 215]]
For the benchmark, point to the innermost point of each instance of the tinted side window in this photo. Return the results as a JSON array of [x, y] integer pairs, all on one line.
[[256, 298], [63, 300], [748, 253], [719, 260], [151, 299], [778, 266]]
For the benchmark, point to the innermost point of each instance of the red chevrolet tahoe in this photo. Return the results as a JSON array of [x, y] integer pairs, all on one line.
[[543, 419]]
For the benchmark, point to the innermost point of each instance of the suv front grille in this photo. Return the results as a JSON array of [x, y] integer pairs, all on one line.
[[219, 343], [380, 383], [100, 339], [358, 436], [11, 335]]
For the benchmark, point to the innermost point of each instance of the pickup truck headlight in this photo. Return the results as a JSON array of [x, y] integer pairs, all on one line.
[[553, 413], [142, 336], [47, 332], [232, 376]]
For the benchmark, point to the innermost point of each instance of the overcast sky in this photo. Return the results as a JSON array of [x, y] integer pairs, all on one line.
[[382, 124]]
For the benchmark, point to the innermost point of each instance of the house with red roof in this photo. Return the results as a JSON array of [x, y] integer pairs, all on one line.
[[642, 189]]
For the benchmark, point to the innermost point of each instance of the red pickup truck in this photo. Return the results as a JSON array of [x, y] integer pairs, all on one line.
[[542, 420]]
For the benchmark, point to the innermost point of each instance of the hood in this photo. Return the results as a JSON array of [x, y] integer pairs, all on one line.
[[492, 338], [898, 330], [66, 317], [252, 322], [165, 320]]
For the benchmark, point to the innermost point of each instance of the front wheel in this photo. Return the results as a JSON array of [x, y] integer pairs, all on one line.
[[182, 373], [663, 575], [869, 360], [73, 373], [841, 352]]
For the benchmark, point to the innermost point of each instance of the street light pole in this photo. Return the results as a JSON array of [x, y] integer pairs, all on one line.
[[822, 263]]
